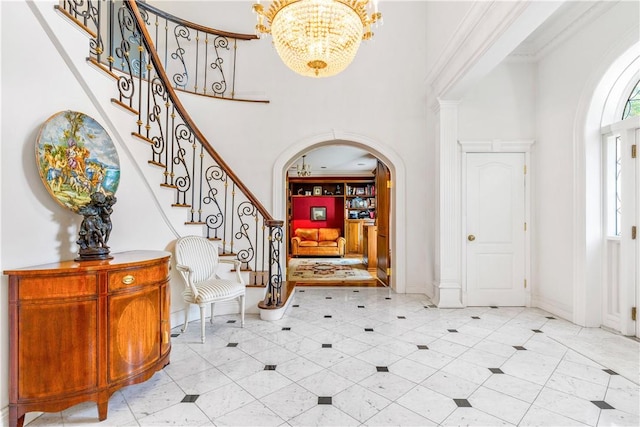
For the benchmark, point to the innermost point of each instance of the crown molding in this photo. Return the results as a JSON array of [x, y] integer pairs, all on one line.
[[479, 29]]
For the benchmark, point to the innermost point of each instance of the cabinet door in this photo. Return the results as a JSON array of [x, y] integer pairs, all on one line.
[[57, 345], [134, 331], [354, 237]]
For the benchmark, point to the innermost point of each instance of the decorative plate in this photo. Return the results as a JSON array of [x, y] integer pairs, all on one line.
[[76, 158]]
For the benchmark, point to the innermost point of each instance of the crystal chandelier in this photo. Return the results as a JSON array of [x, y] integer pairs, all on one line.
[[317, 38], [305, 169]]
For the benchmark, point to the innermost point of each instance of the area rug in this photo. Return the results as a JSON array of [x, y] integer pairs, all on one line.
[[327, 269]]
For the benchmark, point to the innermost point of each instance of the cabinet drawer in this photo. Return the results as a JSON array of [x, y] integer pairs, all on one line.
[[135, 277], [68, 286]]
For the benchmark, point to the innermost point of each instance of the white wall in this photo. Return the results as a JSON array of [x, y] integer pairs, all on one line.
[[34, 229], [566, 78], [501, 106], [379, 97]]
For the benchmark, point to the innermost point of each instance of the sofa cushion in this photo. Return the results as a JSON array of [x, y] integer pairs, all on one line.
[[328, 234], [307, 233], [308, 243], [328, 243]]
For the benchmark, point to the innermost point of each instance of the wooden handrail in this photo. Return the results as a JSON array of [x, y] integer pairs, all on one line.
[[195, 26], [153, 55]]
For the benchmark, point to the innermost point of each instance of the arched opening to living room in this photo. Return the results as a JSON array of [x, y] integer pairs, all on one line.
[[338, 216]]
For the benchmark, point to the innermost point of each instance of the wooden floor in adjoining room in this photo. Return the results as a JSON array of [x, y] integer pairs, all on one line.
[[344, 283]]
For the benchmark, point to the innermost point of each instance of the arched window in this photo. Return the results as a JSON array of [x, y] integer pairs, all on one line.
[[632, 107]]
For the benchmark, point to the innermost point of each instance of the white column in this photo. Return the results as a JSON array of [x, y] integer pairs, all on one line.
[[448, 289]]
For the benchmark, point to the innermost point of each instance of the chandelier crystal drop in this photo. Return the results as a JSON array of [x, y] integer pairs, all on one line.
[[304, 169], [317, 38]]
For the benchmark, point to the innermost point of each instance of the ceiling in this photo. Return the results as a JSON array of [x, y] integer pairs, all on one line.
[[342, 159], [337, 159]]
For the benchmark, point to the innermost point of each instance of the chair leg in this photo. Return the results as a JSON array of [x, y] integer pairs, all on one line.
[[202, 308], [242, 311], [211, 319], [186, 318]]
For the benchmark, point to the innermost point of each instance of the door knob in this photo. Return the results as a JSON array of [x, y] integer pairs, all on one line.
[[471, 237]]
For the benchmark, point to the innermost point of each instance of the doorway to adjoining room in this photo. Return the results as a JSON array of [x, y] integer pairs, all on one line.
[[334, 212]]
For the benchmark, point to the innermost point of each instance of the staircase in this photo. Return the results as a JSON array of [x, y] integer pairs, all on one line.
[[213, 200]]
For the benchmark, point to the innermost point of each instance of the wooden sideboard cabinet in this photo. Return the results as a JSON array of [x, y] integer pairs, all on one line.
[[79, 331]]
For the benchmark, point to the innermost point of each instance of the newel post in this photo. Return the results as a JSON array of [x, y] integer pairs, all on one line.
[[274, 286]]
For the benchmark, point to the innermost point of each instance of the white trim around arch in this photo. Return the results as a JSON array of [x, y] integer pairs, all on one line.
[[389, 157], [587, 175]]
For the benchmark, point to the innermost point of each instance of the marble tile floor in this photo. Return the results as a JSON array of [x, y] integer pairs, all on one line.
[[370, 357]]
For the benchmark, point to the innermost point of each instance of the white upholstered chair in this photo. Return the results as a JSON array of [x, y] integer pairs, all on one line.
[[197, 261]]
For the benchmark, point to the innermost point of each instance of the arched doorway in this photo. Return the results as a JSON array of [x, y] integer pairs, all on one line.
[[397, 239]]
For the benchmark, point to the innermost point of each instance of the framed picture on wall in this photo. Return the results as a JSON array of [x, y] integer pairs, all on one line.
[[317, 190], [318, 213]]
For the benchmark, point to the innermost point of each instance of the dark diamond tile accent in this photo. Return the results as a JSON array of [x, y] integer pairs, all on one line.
[[328, 297], [388, 298], [610, 372], [295, 305], [368, 329], [425, 306], [474, 317], [422, 347], [452, 330], [462, 403], [493, 306], [602, 404], [301, 290], [356, 291], [327, 316], [270, 367], [327, 345], [190, 398], [175, 335], [232, 344], [496, 371], [324, 400], [231, 321], [361, 306], [537, 331], [286, 328], [551, 318], [401, 317], [382, 369], [519, 347]]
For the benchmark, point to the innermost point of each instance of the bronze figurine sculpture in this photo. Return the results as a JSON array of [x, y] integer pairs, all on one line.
[[95, 228]]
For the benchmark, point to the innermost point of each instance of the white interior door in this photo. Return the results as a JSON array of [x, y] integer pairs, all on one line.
[[495, 229]]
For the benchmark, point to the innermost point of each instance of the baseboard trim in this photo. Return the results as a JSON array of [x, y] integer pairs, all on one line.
[[561, 310]]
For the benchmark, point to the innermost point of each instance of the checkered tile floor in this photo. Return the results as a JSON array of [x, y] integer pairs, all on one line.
[[367, 356]]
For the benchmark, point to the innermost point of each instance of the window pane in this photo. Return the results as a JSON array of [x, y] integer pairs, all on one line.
[[632, 108]]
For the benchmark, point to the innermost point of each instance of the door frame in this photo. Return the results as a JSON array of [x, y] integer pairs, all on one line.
[[498, 146], [398, 197]]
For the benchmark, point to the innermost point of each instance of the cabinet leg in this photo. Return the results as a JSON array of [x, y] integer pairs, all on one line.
[[14, 419], [103, 407]]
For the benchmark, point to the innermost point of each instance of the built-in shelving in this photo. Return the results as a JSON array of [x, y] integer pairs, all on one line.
[[357, 203]]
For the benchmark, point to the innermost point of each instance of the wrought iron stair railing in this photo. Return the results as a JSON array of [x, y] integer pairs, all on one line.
[[203, 183]]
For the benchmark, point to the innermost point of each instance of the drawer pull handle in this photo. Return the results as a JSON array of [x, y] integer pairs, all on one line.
[[129, 279]]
